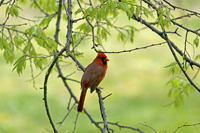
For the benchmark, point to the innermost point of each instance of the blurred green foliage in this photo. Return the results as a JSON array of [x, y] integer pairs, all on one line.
[[136, 80]]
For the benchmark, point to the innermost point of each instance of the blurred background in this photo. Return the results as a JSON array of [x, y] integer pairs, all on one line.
[[137, 81]]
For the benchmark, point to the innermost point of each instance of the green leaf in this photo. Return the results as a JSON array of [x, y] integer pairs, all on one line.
[[104, 33], [171, 64], [98, 14], [108, 22], [118, 36], [39, 31], [93, 12], [12, 13], [123, 6], [40, 42], [45, 21], [177, 103], [103, 11], [39, 62], [7, 10], [16, 13], [85, 27], [146, 12], [110, 5], [87, 12], [8, 55], [20, 64], [170, 93], [30, 31], [18, 41], [32, 53], [16, 6], [196, 41], [27, 47], [137, 11], [197, 57], [104, 29], [98, 30], [78, 11], [132, 9], [182, 98], [52, 44], [174, 68], [159, 10], [3, 44], [98, 40]]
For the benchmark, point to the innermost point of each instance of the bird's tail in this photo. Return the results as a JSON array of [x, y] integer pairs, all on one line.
[[82, 99]]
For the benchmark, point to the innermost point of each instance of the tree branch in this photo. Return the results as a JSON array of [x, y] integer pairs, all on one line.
[[174, 54], [191, 62], [69, 25], [103, 112], [71, 92], [174, 7], [121, 126], [58, 21], [45, 88], [185, 125]]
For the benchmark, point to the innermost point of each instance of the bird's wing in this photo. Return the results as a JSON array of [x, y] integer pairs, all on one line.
[[92, 76]]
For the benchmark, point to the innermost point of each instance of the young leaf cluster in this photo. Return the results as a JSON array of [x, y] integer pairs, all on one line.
[[178, 89], [164, 17]]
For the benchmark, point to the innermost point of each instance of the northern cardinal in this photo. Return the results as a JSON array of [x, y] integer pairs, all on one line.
[[93, 75]]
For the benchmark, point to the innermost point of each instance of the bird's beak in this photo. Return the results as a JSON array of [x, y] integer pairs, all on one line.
[[106, 59]]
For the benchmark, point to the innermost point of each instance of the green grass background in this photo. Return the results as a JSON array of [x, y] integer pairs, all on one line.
[[137, 81]]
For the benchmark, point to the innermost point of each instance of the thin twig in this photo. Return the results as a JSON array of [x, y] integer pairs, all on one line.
[[180, 8], [107, 96], [35, 2], [186, 126], [60, 123], [130, 50], [45, 88], [121, 126], [148, 127], [75, 123]]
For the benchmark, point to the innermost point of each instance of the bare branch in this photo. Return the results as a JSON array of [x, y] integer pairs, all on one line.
[[35, 1], [93, 40], [162, 36], [45, 88], [175, 23], [180, 8], [75, 123], [60, 123], [121, 126], [58, 21], [130, 50], [185, 125], [174, 54], [69, 25], [148, 127], [71, 92]]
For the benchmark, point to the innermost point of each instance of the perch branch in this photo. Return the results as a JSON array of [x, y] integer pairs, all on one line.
[[103, 112], [71, 92]]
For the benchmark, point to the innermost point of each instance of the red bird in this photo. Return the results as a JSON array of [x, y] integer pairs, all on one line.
[[93, 75]]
